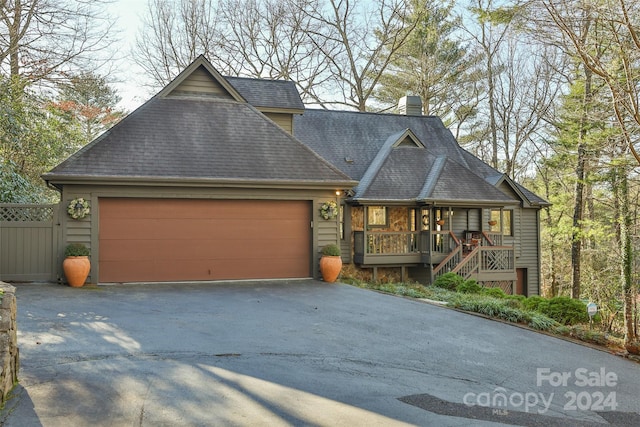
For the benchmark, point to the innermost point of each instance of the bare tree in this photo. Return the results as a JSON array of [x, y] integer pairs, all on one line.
[[358, 43], [335, 50], [617, 21], [489, 33], [525, 95], [175, 34], [45, 39], [269, 39], [519, 86]]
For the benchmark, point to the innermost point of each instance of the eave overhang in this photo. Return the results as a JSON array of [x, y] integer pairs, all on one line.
[[279, 110], [423, 202], [59, 181]]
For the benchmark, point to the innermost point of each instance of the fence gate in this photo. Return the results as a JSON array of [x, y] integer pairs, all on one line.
[[29, 236]]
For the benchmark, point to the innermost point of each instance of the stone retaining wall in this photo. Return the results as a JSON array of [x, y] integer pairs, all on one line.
[[9, 356]]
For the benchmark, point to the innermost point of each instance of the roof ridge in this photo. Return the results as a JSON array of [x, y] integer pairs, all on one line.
[[259, 79], [372, 113], [377, 162], [432, 177]]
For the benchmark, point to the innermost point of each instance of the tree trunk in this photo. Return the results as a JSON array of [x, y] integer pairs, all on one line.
[[626, 250], [578, 209]]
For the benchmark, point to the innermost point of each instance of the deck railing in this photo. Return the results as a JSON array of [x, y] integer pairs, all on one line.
[[488, 260], [492, 239], [414, 247], [387, 247], [443, 242]]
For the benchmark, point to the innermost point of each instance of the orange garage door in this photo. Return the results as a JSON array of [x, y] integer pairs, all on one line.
[[159, 240]]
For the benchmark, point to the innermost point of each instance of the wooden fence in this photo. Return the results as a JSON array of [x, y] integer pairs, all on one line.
[[29, 237]]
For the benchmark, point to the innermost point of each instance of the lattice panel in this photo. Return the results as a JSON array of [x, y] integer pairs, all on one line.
[[26, 213], [497, 260], [505, 285]]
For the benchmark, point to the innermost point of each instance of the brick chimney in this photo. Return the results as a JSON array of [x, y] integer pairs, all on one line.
[[410, 105]]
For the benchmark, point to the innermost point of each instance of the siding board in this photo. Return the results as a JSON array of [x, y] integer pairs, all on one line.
[[200, 82]]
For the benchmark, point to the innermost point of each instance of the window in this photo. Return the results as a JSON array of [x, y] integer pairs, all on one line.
[[507, 228], [507, 219], [377, 216]]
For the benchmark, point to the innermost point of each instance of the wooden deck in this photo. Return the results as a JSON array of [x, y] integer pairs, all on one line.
[[484, 259]]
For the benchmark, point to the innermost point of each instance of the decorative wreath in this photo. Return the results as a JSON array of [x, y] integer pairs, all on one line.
[[329, 210], [78, 208]]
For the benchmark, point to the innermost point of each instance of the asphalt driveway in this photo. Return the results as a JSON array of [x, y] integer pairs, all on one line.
[[296, 353]]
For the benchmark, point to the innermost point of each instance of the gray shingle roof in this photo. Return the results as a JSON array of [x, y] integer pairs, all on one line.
[[269, 94], [406, 170], [351, 140], [361, 145], [229, 140], [198, 139]]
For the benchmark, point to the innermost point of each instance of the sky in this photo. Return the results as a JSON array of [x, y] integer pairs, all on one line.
[[129, 15]]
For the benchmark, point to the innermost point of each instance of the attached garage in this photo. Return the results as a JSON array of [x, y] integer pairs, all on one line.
[[149, 240], [205, 181]]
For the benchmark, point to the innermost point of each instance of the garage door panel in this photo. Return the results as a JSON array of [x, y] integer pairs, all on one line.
[[147, 250], [159, 229], [174, 240], [186, 270]]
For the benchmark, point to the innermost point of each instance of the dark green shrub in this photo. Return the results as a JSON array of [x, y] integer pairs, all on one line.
[[565, 310], [76, 249], [331, 250], [533, 302], [494, 292], [562, 309], [469, 287], [514, 302], [449, 281]]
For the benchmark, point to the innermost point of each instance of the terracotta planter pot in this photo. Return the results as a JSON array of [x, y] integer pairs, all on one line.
[[76, 269], [330, 267], [492, 223]]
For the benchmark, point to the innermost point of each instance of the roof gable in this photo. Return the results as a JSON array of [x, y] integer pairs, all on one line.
[[408, 139], [201, 79], [407, 175], [404, 139]]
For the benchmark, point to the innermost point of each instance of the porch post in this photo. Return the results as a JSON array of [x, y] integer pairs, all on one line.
[[365, 227]]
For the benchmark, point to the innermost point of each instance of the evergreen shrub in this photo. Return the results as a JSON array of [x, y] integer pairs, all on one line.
[[448, 281]]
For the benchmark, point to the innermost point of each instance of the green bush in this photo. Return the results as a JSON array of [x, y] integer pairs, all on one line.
[[448, 281], [564, 310], [76, 249], [469, 287], [533, 302], [331, 250], [494, 292], [515, 301]]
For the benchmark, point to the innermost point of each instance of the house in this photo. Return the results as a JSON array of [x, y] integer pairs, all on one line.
[[218, 178]]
